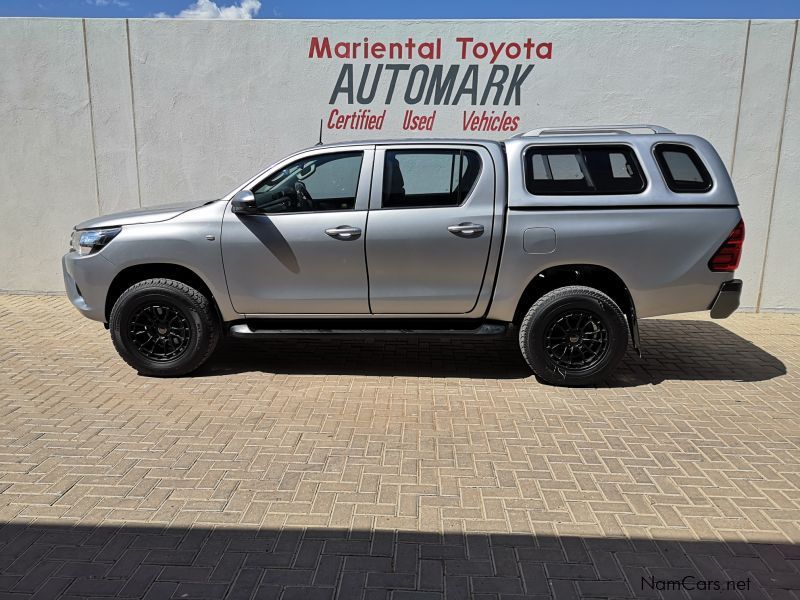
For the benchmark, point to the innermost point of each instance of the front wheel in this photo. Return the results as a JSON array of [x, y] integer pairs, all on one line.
[[164, 328], [573, 336]]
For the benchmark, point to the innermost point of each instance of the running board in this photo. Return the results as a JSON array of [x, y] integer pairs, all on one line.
[[243, 330]]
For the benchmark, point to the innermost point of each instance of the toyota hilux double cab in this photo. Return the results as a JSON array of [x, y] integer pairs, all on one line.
[[563, 237]]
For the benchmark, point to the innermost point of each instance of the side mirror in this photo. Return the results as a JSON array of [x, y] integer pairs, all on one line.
[[244, 203]]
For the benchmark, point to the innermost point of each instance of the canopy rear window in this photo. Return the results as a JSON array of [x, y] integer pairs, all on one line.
[[683, 170], [575, 170]]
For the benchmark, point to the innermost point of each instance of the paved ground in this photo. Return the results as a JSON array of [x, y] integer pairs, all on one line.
[[398, 469]]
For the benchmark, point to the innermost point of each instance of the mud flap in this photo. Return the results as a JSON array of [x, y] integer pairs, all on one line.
[[633, 324]]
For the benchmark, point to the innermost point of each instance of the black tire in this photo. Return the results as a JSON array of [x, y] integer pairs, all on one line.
[[181, 320], [592, 347]]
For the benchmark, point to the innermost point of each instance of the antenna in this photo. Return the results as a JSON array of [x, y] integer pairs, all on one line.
[[319, 143]]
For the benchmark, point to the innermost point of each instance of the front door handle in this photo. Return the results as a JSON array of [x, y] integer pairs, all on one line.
[[467, 230], [344, 232]]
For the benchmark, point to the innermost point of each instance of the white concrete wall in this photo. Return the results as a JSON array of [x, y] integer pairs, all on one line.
[[47, 168], [780, 277], [101, 115]]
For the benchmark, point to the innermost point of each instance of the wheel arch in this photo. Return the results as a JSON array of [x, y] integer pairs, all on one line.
[[594, 276], [136, 273]]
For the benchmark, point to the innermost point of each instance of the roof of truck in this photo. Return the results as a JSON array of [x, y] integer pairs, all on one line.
[[539, 132]]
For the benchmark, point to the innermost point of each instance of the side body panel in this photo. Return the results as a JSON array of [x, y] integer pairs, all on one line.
[[415, 264], [657, 241], [660, 254], [284, 264], [393, 229], [180, 241]]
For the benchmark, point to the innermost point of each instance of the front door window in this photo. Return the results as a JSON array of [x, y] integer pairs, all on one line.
[[317, 183]]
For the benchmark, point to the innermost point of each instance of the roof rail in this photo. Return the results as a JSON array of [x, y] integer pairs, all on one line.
[[597, 130]]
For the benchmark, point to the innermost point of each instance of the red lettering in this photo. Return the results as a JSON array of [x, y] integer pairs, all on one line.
[[529, 46], [545, 50], [489, 121], [463, 41], [496, 50], [427, 50], [513, 50], [317, 50], [342, 50]]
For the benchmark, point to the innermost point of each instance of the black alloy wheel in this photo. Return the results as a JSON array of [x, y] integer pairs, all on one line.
[[163, 327], [160, 331], [573, 336], [576, 340]]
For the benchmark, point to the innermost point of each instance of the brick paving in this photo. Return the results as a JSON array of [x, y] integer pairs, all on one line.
[[398, 468]]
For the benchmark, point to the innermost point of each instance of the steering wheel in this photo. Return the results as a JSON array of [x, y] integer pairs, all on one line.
[[304, 199], [285, 201]]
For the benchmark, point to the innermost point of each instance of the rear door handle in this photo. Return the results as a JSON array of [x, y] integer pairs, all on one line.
[[467, 230], [344, 232]]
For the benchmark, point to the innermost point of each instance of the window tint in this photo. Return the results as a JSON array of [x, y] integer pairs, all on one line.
[[316, 183], [427, 178], [682, 168], [559, 170]]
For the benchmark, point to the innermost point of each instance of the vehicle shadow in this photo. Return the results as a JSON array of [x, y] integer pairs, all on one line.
[[672, 349], [270, 236], [50, 560]]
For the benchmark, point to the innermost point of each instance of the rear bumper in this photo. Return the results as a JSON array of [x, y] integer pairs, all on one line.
[[727, 300]]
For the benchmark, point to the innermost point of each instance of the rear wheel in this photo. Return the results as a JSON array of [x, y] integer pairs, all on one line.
[[573, 336], [164, 328]]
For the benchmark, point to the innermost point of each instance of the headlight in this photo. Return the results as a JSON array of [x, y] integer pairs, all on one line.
[[92, 240]]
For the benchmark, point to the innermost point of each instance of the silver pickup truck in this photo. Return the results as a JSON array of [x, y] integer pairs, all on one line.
[[563, 236]]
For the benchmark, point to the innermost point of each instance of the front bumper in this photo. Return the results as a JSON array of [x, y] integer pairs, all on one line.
[[87, 279], [727, 300]]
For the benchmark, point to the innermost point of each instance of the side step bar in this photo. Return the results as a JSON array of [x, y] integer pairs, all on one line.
[[243, 330]]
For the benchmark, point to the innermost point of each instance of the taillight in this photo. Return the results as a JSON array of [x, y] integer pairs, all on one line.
[[728, 255]]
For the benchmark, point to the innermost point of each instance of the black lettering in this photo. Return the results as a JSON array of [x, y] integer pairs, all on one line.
[[516, 81], [410, 97], [441, 88], [361, 98], [344, 84], [395, 69], [497, 84], [468, 86]]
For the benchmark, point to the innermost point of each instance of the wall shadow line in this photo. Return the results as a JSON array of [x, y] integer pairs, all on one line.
[[137, 561]]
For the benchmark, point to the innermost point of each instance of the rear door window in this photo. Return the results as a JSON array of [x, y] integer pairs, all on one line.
[[578, 170], [682, 169], [428, 178]]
